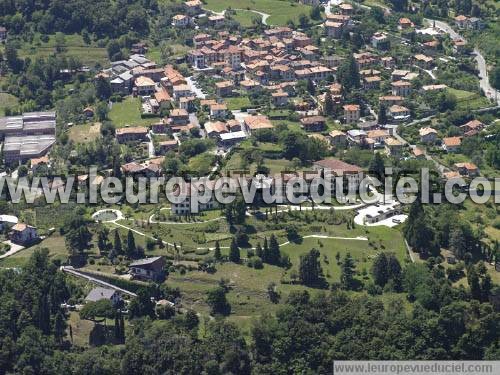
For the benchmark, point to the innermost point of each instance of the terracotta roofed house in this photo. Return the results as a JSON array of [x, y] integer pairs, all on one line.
[[178, 116], [467, 169], [378, 135], [461, 21], [131, 134], [393, 146], [451, 144], [405, 23], [257, 122], [215, 129], [313, 123], [472, 127], [166, 146], [418, 153], [399, 113]]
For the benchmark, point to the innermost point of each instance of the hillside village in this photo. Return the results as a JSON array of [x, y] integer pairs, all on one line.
[[357, 88]]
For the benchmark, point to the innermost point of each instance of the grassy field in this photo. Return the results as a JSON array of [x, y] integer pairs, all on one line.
[[245, 17], [201, 164], [248, 293], [80, 329], [85, 133], [128, 112], [376, 3], [7, 101], [280, 11], [469, 100], [248, 287], [74, 47], [54, 243], [154, 52]]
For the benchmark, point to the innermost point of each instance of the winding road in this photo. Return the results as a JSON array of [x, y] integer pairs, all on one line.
[[484, 82]]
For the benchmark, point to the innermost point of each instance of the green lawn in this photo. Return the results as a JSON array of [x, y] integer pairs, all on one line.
[[74, 47], [128, 112], [469, 100], [363, 252], [7, 101], [237, 102], [262, 146], [248, 287], [248, 293], [280, 10], [55, 244]]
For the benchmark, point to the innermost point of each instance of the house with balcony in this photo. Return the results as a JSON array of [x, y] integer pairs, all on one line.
[[148, 269]]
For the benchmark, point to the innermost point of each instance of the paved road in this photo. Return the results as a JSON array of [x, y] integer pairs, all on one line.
[[489, 91]]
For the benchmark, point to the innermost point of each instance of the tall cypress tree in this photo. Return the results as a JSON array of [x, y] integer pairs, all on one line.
[[258, 251], [379, 270], [117, 246], [234, 252], [310, 272], [328, 105], [217, 253], [274, 250], [131, 249], [382, 115], [265, 251], [347, 272]]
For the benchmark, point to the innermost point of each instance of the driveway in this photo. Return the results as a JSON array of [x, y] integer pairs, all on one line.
[[14, 248], [151, 146], [194, 88]]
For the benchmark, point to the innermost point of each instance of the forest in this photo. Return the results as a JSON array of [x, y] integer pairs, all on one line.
[[431, 319]]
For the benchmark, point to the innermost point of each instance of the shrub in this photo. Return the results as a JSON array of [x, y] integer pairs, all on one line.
[[496, 223]]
